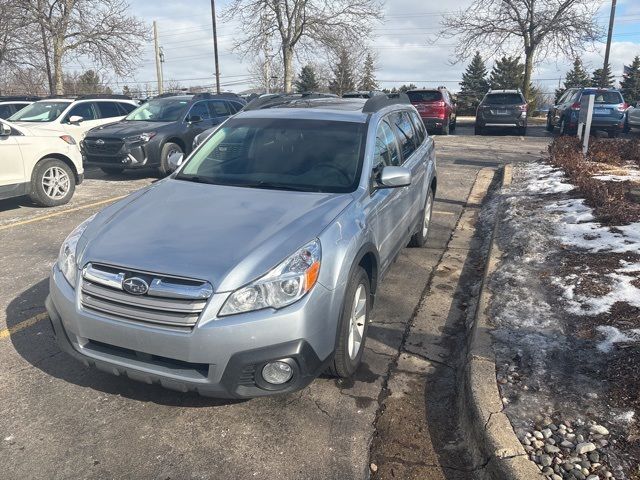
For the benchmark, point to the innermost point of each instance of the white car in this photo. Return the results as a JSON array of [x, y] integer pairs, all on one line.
[[11, 105], [41, 163], [74, 116]]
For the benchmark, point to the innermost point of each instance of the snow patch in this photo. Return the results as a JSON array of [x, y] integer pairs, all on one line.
[[594, 237], [547, 180], [624, 417], [613, 335]]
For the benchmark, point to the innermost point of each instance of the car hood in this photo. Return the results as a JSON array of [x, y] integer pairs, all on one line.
[[125, 128], [228, 236]]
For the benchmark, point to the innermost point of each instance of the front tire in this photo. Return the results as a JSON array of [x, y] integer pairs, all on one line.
[[168, 149], [454, 124], [52, 183], [549, 125], [419, 239], [353, 325]]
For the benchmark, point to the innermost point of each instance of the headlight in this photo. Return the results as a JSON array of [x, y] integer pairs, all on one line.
[[67, 258], [144, 137], [282, 286]]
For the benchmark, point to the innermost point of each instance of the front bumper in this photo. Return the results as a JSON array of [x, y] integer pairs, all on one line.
[[134, 155], [219, 358]]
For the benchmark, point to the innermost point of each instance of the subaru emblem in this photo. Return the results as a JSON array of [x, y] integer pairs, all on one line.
[[135, 286], [100, 142]]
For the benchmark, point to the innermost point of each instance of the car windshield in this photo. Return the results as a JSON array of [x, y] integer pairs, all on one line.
[[426, 96], [504, 99], [40, 112], [160, 110], [611, 98], [282, 154]]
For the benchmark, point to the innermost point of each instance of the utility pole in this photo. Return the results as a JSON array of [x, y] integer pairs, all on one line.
[[215, 44], [158, 59], [603, 80]]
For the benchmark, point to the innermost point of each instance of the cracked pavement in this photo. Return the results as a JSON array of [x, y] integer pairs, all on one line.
[[59, 419]]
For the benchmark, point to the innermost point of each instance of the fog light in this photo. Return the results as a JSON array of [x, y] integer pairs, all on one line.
[[277, 373]]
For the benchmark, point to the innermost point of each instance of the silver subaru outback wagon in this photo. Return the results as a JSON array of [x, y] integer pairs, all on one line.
[[253, 268]]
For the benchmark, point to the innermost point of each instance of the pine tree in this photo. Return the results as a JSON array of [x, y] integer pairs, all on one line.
[[342, 74], [406, 88], [576, 77], [507, 73], [307, 81], [630, 84], [368, 80], [598, 75], [473, 86]]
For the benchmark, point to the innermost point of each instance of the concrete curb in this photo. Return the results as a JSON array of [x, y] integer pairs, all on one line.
[[491, 434]]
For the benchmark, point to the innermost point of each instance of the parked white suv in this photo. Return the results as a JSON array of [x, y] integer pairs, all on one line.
[[75, 116], [40, 163], [11, 105]]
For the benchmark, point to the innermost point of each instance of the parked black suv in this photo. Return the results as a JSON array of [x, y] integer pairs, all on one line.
[[164, 125], [608, 111], [502, 108]]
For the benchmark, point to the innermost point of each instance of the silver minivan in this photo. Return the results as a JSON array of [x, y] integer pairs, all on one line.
[[253, 268]]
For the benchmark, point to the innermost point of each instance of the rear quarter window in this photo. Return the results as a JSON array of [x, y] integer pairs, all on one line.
[[404, 132], [608, 97], [504, 99]]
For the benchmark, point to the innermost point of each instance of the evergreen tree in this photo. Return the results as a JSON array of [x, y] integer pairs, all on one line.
[[630, 83], [599, 76], [473, 86], [507, 73], [406, 88], [307, 81], [576, 77], [368, 79], [342, 74]]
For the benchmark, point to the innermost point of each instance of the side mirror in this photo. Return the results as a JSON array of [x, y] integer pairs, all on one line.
[[175, 160], [195, 119], [75, 119], [394, 177], [5, 130]]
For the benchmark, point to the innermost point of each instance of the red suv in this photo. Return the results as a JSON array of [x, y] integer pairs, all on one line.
[[436, 107]]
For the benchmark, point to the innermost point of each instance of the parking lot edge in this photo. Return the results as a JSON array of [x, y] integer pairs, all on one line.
[[490, 431]]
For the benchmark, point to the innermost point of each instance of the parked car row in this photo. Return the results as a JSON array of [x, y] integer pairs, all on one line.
[[11, 105]]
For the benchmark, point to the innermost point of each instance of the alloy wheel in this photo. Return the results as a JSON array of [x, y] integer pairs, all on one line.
[[357, 321], [427, 216], [55, 183]]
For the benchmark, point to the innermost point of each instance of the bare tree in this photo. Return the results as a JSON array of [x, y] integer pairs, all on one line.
[[300, 24], [531, 28], [100, 31]]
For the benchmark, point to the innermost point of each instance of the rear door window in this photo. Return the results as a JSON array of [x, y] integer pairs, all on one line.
[[404, 132], [219, 108], [5, 111], [234, 107], [425, 96], [608, 98], [418, 125], [108, 109], [386, 150], [125, 108]]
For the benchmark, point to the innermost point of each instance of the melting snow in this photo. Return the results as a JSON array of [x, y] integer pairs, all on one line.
[[613, 335], [548, 180]]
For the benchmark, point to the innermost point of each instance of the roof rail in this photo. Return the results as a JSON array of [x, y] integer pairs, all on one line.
[[103, 95], [216, 95], [167, 94], [278, 99], [379, 102], [18, 98]]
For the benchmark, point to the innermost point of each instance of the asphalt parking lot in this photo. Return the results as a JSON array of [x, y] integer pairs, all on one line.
[[59, 419]]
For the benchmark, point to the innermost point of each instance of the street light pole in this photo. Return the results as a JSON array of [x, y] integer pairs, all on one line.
[[156, 46], [215, 44], [603, 79]]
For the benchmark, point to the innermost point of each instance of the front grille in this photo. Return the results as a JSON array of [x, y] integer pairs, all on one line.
[[103, 146], [169, 301]]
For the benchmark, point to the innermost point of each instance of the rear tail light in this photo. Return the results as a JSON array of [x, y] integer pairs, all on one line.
[[623, 107], [575, 106]]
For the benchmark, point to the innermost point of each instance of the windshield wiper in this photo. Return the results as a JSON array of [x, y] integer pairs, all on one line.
[[274, 186], [196, 179]]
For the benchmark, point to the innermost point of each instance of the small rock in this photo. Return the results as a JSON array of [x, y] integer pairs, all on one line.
[[373, 467], [545, 460], [556, 477], [538, 444], [599, 429], [566, 444], [546, 432], [579, 438], [594, 457], [547, 471], [538, 435], [567, 466], [593, 477], [551, 449], [585, 447]]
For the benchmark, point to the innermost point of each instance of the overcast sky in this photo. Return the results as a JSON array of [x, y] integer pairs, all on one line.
[[403, 43]]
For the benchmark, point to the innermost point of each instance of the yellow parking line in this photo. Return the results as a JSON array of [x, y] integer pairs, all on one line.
[[61, 212], [7, 332]]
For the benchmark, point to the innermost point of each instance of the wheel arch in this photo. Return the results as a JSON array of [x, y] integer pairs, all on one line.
[[178, 141], [62, 158]]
